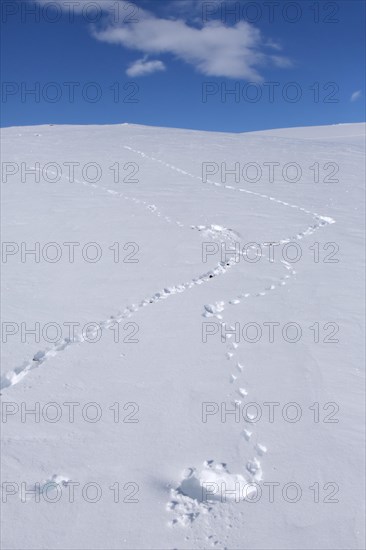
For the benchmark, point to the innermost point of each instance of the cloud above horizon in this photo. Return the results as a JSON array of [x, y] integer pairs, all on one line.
[[143, 67], [211, 48], [356, 95]]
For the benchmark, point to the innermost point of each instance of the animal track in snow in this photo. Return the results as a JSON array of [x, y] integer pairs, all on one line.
[[46, 488], [185, 503], [325, 219], [200, 489], [214, 231], [16, 375], [189, 488]]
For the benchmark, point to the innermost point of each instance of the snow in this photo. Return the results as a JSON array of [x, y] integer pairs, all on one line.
[[160, 423]]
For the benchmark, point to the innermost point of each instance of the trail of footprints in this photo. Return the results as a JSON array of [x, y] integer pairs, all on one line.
[[324, 219], [215, 232], [186, 503], [15, 376]]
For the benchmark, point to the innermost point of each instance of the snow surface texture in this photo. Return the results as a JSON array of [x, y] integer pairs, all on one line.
[[183, 482]]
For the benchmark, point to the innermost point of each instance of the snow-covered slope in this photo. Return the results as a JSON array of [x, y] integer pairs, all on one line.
[[139, 436]]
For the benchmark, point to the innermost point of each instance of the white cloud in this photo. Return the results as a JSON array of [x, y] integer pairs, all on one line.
[[212, 48], [356, 95], [142, 67]]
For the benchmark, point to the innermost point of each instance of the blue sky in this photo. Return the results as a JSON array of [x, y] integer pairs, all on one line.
[[169, 63]]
